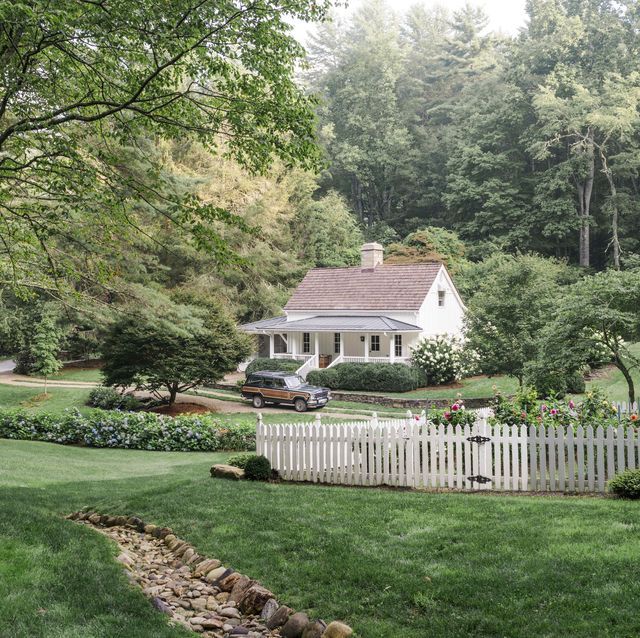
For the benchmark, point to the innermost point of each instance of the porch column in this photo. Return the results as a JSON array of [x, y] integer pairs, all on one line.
[[272, 338], [293, 338], [366, 348], [342, 344], [392, 348], [316, 344]]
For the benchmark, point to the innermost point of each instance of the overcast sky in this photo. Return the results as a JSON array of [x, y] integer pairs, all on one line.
[[504, 15]]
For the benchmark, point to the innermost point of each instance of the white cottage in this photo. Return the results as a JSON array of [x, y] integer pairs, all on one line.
[[374, 312]]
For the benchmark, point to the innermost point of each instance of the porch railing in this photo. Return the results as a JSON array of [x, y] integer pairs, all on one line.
[[290, 355], [361, 359], [310, 364]]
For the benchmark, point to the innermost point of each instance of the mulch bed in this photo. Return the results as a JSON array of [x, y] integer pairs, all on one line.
[[181, 408]]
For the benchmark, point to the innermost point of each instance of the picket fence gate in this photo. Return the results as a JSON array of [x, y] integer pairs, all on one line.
[[413, 452]]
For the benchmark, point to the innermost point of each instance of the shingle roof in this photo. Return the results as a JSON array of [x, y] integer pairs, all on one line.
[[332, 323], [386, 287]]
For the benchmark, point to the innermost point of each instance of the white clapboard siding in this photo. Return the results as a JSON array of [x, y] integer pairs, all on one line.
[[413, 452]]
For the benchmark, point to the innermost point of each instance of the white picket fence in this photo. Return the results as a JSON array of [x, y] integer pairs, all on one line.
[[414, 453]]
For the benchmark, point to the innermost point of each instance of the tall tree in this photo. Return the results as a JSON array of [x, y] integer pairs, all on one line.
[[81, 82]]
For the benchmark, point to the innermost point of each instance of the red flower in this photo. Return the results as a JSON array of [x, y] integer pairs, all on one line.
[[455, 407], [447, 415]]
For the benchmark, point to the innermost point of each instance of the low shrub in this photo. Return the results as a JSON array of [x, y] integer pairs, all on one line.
[[239, 460], [282, 365], [257, 468], [626, 484], [108, 398], [369, 377], [131, 430]]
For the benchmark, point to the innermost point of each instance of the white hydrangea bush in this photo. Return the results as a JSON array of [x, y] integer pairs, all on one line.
[[444, 359]]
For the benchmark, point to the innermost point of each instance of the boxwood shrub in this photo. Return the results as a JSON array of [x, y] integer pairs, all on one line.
[[369, 377], [132, 430], [283, 365], [626, 484]]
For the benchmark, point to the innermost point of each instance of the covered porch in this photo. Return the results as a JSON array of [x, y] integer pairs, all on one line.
[[323, 342]]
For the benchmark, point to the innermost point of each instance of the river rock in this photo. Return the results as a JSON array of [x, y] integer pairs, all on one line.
[[294, 627], [279, 617], [270, 608], [337, 629]]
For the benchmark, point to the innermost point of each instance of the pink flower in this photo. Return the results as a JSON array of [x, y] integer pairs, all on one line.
[[455, 407], [523, 415], [543, 407], [572, 404], [447, 415], [553, 412]]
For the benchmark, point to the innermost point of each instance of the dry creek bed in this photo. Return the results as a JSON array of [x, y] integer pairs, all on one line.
[[200, 593]]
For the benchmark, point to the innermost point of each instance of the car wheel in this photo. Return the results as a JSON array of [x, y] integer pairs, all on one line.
[[258, 401], [300, 405]]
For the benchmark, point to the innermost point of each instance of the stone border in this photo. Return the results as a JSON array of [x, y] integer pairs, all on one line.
[[200, 593]]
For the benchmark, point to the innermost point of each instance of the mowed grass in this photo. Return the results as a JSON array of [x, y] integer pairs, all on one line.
[[78, 374], [391, 563], [34, 400]]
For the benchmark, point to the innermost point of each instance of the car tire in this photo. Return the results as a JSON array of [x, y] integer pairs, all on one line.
[[300, 405], [258, 401]]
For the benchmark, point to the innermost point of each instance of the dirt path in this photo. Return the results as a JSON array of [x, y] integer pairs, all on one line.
[[216, 405]]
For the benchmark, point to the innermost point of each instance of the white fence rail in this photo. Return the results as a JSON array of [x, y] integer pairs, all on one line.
[[413, 453]]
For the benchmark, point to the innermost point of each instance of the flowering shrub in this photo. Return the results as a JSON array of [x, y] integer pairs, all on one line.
[[443, 359], [594, 410], [455, 414], [132, 430]]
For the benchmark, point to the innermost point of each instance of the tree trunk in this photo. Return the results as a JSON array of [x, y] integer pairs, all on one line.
[[585, 188], [173, 392], [629, 379], [615, 239]]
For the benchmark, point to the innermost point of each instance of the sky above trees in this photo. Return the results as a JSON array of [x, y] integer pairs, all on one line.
[[506, 16]]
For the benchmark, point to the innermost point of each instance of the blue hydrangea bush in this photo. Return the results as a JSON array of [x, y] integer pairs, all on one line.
[[130, 430]]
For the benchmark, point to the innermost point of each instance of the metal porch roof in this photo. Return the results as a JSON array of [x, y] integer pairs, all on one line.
[[331, 324]]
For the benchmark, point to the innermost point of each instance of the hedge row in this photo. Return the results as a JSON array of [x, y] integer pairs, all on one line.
[[132, 430], [371, 377], [282, 365]]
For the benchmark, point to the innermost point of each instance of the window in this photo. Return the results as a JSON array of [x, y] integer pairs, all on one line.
[[306, 342], [441, 294], [336, 342], [375, 343], [397, 345], [279, 344]]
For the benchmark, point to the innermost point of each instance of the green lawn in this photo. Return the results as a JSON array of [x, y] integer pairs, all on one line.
[[390, 563], [32, 399], [78, 374]]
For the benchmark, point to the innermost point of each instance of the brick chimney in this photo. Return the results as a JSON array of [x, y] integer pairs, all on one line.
[[371, 255]]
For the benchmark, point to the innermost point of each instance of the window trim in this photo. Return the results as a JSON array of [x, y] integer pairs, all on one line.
[[375, 348], [306, 342], [441, 297], [337, 342]]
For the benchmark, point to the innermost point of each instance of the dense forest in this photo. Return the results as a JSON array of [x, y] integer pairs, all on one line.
[[527, 143]]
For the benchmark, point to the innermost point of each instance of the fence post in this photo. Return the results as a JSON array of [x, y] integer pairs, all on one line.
[[318, 419], [259, 434]]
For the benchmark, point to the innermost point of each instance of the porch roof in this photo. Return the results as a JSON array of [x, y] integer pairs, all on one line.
[[331, 324]]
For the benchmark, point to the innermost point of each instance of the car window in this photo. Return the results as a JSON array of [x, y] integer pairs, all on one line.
[[293, 381], [253, 380]]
